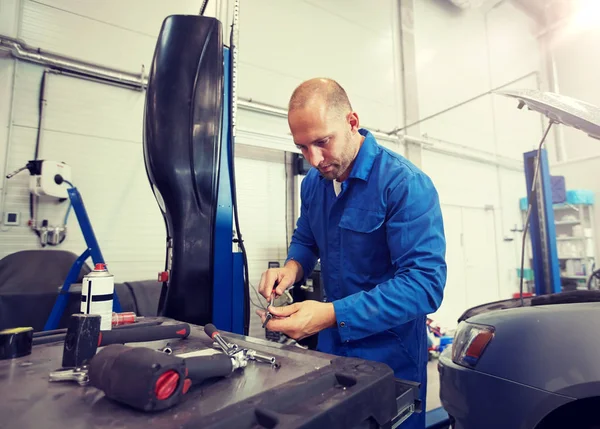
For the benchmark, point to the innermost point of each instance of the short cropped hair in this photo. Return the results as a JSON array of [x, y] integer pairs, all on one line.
[[332, 92]]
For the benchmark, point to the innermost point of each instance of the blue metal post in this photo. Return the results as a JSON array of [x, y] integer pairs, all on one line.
[[223, 256], [543, 231], [85, 225], [63, 297], [88, 235]]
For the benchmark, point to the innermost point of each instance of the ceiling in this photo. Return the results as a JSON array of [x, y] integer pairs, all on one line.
[[548, 12]]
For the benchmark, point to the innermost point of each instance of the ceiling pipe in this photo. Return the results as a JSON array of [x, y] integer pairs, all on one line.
[[259, 107], [20, 50], [74, 67]]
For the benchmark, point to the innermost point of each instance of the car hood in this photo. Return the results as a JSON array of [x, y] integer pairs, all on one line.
[[550, 347], [560, 109], [569, 297], [539, 313]]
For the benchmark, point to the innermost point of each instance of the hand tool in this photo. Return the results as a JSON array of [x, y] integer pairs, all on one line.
[[45, 337], [234, 350], [147, 379], [80, 375], [166, 349], [84, 337], [269, 315]]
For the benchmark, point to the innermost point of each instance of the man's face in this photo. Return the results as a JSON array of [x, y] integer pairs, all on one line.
[[326, 139]]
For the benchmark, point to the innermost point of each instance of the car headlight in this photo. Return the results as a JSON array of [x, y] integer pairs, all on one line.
[[470, 342]]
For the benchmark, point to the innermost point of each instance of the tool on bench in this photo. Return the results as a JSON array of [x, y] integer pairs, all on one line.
[[80, 375], [84, 337], [147, 379], [45, 337], [235, 350], [15, 342]]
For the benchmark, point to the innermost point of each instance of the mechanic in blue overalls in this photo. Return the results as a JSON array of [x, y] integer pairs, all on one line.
[[374, 220]]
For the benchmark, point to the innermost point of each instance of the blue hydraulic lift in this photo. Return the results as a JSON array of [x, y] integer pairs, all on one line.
[[546, 266]]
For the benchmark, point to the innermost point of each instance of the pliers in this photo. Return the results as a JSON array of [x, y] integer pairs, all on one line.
[[269, 315]]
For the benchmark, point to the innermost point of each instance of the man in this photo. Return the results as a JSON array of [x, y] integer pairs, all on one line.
[[375, 222]]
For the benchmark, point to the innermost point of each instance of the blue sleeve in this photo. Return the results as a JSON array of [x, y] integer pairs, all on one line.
[[303, 248], [415, 237]]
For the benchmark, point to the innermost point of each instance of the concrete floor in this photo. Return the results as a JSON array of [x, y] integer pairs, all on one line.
[[433, 386]]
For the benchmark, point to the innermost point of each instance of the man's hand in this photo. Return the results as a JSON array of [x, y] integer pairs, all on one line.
[[284, 277], [300, 320]]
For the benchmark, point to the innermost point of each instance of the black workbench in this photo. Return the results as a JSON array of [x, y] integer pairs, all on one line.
[[310, 390]]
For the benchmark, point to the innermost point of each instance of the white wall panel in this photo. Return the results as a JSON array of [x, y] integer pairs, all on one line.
[[514, 50], [21, 151], [27, 89], [461, 182], [9, 17], [455, 301], [117, 34], [512, 188], [92, 109], [451, 55], [317, 41], [7, 67], [60, 31], [471, 124], [578, 67], [361, 13], [471, 255], [481, 276], [141, 16], [464, 54], [261, 193]]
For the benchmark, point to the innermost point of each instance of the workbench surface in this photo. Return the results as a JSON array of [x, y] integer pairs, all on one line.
[[29, 400]]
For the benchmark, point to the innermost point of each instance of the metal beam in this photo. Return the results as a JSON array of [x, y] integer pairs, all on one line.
[[406, 20]]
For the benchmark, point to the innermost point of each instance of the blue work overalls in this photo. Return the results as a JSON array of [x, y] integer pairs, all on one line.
[[382, 249]]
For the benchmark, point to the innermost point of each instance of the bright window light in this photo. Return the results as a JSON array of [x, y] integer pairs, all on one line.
[[587, 14]]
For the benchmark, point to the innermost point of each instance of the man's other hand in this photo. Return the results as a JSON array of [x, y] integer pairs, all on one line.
[[284, 278], [300, 320]]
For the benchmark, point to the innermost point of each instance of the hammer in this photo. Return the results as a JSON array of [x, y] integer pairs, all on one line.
[[84, 337]]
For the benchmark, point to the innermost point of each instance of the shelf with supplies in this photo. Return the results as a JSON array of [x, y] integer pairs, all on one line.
[[575, 236]]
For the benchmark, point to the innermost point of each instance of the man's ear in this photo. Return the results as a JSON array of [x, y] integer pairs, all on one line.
[[353, 121]]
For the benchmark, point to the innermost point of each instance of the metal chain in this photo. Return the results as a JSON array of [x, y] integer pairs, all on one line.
[[233, 47]]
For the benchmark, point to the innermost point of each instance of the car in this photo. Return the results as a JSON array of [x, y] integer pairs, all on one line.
[[530, 366]]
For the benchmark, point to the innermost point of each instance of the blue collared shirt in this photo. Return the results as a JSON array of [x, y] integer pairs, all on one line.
[[382, 250]]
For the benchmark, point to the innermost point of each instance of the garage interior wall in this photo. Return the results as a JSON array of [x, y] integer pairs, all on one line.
[[477, 139], [93, 127], [472, 141], [577, 70]]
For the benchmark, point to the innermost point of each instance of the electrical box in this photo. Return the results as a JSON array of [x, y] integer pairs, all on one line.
[[43, 183], [12, 218]]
